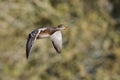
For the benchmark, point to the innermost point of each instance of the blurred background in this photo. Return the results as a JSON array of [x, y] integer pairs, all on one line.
[[91, 48]]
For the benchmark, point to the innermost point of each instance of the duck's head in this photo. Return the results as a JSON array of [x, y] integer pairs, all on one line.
[[62, 27]]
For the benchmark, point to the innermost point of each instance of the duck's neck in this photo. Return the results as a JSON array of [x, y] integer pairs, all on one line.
[[58, 29]]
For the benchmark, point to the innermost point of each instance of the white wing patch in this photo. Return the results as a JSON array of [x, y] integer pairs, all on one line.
[[57, 40], [42, 29], [43, 35]]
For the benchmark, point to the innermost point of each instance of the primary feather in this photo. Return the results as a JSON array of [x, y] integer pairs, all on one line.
[[31, 38]]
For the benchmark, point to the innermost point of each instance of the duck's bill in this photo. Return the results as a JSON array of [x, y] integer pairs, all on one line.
[[66, 28]]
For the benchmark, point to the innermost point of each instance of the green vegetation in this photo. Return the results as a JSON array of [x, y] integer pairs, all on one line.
[[91, 48]]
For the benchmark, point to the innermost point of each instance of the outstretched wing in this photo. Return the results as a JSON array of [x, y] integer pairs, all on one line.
[[57, 41], [31, 38]]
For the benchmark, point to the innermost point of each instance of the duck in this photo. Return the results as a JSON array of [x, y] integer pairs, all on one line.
[[54, 32]]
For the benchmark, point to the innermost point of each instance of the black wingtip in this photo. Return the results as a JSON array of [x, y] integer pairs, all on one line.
[[28, 47], [27, 56], [27, 52]]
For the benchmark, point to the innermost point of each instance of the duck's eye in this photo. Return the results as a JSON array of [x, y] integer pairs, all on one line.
[[60, 25]]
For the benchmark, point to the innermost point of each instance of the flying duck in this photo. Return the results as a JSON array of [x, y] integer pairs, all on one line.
[[53, 32]]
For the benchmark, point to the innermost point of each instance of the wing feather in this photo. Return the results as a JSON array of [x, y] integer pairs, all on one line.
[[31, 38], [57, 41]]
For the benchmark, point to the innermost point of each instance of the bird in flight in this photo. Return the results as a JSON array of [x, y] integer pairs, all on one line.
[[53, 32]]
